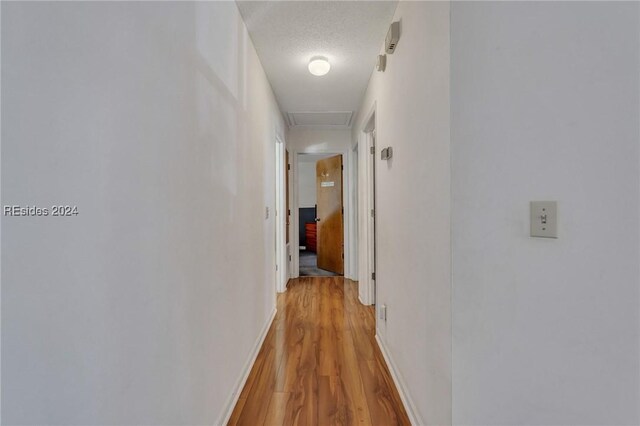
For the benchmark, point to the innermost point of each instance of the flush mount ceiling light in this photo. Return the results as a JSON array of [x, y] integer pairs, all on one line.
[[319, 65]]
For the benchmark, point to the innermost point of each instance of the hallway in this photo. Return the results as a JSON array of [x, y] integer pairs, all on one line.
[[320, 363], [320, 213]]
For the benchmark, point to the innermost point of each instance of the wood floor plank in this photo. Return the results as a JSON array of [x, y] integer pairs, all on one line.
[[329, 330], [320, 363], [258, 398], [277, 409], [355, 395], [332, 409], [379, 400], [394, 401], [253, 374], [235, 416]]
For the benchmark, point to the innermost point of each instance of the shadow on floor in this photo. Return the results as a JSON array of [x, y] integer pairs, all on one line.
[[309, 266]]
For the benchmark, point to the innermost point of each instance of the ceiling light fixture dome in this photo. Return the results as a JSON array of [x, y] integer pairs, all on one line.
[[319, 65]]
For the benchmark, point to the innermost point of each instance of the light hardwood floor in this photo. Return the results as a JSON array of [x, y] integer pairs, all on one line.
[[320, 363]]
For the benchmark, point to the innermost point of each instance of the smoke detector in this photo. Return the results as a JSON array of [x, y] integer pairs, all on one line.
[[392, 37]]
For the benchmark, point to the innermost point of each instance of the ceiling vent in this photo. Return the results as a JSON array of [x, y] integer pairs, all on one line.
[[321, 119]]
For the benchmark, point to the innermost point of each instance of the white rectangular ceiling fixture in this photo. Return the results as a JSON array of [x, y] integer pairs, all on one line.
[[320, 118]]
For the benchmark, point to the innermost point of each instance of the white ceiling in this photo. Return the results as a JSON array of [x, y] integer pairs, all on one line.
[[319, 118], [287, 34]]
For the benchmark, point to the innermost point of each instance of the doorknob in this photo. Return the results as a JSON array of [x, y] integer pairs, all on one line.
[[317, 219]]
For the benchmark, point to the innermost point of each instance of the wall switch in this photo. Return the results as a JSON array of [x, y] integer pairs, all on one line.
[[544, 219], [382, 312]]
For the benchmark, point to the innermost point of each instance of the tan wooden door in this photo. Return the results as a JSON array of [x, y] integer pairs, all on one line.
[[330, 214]]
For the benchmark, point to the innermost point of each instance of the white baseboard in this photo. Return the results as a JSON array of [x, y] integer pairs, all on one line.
[[414, 417], [233, 400], [364, 302], [360, 300]]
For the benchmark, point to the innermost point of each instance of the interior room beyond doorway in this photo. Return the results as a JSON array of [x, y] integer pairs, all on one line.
[[320, 182]]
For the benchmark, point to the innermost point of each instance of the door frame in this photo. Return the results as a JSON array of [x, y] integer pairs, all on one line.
[[353, 218], [346, 202], [367, 237], [280, 217]]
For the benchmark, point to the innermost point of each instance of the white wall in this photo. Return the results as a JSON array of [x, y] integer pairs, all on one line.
[[307, 178], [365, 206], [312, 140], [545, 107], [156, 120], [413, 197], [306, 184]]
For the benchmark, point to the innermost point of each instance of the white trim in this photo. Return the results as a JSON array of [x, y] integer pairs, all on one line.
[[366, 200], [233, 400], [359, 298], [401, 386], [295, 211], [280, 216], [292, 247], [288, 260], [353, 215]]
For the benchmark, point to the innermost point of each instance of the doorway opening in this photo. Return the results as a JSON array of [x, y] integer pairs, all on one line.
[[281, 216], [367, 211], [320, 214]]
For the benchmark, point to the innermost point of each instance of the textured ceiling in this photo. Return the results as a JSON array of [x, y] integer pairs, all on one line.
[[287, 34]]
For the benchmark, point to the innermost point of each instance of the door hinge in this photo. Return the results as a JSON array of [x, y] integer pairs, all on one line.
[[343, 255], [342, 167], [276, 267], [288, 166], [373, 276], [373, 213], [343, 210], [289, 212], [372, 150], [289, 258]]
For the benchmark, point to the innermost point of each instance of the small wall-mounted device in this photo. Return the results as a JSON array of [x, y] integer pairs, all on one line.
[[392, 37], [386, 153], [381, 64], [544, 219], [382, 312]]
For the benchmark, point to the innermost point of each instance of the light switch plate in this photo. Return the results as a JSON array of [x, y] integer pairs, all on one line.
[[382, 312], [544, 219]]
